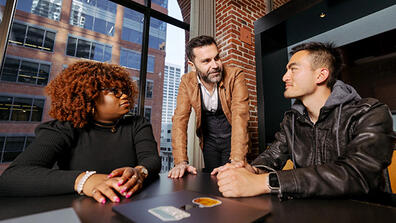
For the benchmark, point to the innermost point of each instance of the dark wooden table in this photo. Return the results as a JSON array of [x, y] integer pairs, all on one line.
[[297, 210]]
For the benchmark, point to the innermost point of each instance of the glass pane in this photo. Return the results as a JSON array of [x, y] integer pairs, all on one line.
[[107, 54], [97, 51], [25, 5], [132, 26], [149, 89], [43, 74], [14, 143], [71, 46], [10, 69], [165, 41], [28, 72], [37, 110], [17, 35], [96, 15], [83, 48], [47, 8], [34, 37], [13, 147], [100, 25], [29, 140], [5, 108], [21, 109], [172, 8], [49, 41], [147, 113]]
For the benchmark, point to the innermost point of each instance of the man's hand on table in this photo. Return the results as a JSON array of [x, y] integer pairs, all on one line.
[[234, 164], [179, 170], [242, 182]]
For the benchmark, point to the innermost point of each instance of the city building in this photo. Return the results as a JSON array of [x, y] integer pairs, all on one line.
[[47, 35], [172, 74]]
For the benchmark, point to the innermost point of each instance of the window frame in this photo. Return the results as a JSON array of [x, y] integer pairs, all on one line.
[[39, 62], [13, 96], [41, 48]]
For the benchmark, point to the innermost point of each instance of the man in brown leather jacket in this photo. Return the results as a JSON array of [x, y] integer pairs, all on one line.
[[219, 97], [339, 143]]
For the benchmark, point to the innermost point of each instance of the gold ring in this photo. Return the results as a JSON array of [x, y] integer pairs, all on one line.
[[134, 176]]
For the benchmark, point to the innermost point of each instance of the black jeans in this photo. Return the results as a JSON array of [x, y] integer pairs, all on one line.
[[216, 152]]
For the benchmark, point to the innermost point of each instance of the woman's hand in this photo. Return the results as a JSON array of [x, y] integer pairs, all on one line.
[[100, 187], [130, 179]]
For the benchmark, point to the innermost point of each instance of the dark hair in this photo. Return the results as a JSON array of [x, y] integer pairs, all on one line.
[[323, 54], [74, 91], [198, 41]]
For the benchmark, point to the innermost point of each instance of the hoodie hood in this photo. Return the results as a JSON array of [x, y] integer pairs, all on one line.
[[340, 94]]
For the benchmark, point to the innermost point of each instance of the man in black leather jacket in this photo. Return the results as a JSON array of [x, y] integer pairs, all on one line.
[[339, 143]]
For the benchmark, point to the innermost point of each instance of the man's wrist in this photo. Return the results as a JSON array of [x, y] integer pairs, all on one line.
[[273, 182]]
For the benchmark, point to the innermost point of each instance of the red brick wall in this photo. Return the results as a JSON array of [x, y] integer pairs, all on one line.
[[279, 3], [231, 16]]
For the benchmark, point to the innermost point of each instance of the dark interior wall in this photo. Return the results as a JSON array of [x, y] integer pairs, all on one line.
[[297, 21]]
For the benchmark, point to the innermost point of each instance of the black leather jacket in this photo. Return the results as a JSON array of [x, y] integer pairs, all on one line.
[[344, 152]]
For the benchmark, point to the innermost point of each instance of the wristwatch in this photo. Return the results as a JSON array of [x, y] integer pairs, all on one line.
[[273, 182]]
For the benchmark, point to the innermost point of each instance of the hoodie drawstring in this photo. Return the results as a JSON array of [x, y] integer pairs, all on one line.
[[338, 126], [292, 144]]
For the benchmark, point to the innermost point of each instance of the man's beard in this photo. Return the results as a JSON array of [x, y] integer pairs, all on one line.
[[208, 80]]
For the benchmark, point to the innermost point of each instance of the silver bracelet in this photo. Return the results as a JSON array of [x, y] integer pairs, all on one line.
[[83, 180]]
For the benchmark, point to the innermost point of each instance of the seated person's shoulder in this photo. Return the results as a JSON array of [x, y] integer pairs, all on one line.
[[55, 125], [135, 120]]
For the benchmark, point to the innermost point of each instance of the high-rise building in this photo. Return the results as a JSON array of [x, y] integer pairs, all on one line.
[[172, 74], [47, 35]]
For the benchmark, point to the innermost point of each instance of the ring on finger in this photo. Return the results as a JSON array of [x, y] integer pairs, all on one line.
[[134, 176], [94, 191]]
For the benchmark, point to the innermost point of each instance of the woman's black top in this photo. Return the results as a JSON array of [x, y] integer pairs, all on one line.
[[60, 152]]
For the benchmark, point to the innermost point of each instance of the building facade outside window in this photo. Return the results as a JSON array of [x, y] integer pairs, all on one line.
[[131, 59], [47, 8], [88, 49], [98, 15], [23, 70], [149, 87], [43, 43], [12, 146], [32, 36], [13, 108]]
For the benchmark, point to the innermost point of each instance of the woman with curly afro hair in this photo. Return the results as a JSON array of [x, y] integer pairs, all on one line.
[[94, 146]]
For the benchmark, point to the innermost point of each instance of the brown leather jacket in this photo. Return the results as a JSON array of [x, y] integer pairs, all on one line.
[[234, 99]]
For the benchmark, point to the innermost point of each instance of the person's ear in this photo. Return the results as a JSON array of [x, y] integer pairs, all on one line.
[[192, 65], [322, 75]]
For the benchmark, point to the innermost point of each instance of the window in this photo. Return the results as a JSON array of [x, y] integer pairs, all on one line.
[[132, 29], [132, 26], [87, 49], [21, 108], [147, 113], [98, 15], [131, 59], [12, 146], [47, 8], [157, 37], [34, 37], [149, 87], [25, 71]]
